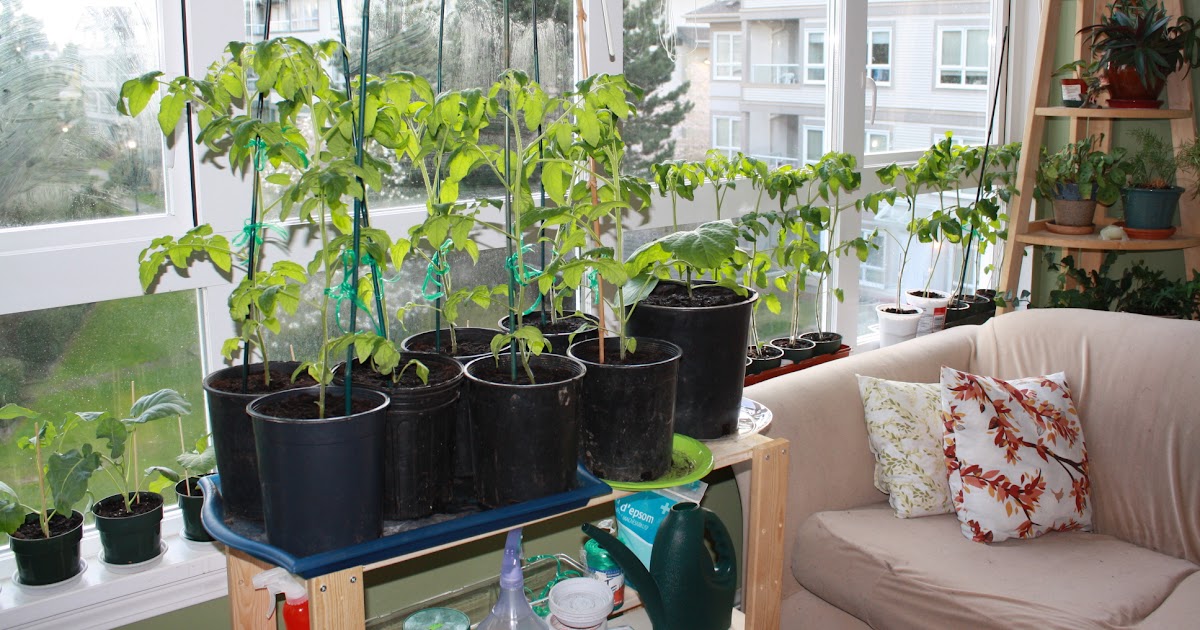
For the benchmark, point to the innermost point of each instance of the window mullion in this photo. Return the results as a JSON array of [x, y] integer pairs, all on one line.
[[845, 115]]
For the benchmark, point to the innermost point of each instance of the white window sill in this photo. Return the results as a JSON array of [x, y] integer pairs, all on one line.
[[188, 574]]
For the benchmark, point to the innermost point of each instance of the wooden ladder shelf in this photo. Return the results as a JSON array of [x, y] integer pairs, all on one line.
[[1089, 249]]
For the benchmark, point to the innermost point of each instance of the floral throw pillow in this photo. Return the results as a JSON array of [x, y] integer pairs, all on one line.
[[904, 431], [1015, 453]]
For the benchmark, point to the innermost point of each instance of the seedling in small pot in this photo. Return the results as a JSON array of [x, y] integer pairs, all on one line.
[[120, 435]]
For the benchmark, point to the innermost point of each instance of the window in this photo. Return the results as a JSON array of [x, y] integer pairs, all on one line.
[[287, 17], [814, 144], [727, 55], [879, 55], [963, 57], [727, 134], [814, 57], [873, 273], [878, 141]]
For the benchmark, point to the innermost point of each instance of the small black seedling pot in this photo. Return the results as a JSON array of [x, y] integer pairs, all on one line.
[[190, 506], [44, 561], [134, 538]]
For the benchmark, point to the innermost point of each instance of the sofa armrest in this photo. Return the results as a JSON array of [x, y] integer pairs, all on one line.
[[819, 410]]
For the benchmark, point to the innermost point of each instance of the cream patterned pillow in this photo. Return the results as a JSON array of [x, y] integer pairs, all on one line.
[[905, 434], [1015, 452]]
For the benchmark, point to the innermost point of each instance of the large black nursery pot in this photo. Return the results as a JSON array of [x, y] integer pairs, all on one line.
[[627, 417], [44, 561], [713, 340], [130, 538], [322, 479], [562, 336], [190, 499], [418, 449], [233, 432], [527, 435], [475, 343]]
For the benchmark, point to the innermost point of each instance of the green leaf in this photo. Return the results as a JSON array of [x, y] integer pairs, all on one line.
[[170, 110], [68, 475], [200, 462], [164, 403], [137, 92], [12, 514], [773, 304], [706, 247], [11, 412], [168, 474], [114, 432]]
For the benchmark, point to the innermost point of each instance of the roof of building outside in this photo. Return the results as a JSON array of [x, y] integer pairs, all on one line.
[[717, 8]]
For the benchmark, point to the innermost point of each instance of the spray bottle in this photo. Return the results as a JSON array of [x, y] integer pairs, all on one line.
[[512, 611], [295, 606]]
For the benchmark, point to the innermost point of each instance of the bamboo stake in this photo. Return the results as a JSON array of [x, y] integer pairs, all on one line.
[[580, 18]]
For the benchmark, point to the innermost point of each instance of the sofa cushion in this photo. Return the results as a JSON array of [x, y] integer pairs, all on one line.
[[1016, 456], [904, 431], [1138, 402], [921, 573]]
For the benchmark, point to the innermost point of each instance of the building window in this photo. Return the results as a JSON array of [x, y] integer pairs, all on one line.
[[814, 57], [878, 141], [879, 55], [727, 55], [814, 144], [727, 134], [874, 273], [963, 57]]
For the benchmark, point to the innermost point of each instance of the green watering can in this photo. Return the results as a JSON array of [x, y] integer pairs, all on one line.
[[684, 588]]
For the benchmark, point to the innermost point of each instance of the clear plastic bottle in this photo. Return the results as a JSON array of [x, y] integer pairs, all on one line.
[[512, 610]]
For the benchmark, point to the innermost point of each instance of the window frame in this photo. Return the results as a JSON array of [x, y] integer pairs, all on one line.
[[808, 64], [871, 67], [735, 133], [805, 145], [961, 68], [733, 66]]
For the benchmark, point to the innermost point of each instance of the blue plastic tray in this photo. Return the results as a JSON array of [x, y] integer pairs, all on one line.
[[250, 537]]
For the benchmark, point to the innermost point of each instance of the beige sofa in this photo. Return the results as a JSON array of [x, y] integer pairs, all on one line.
[[850, 563]]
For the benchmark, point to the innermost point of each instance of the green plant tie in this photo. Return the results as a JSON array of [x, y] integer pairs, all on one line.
[[260, 153], [345, 291], [523, 274], [593, 283], [252, 230], [439, 265], [560, 574]]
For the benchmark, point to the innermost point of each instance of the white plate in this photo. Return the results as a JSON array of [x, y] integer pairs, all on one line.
[[753, 417], [137, 566], [51, 588]]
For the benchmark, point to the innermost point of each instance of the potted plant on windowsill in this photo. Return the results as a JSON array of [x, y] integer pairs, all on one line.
[[796, 245], [44, 539], [188, 495], [129, 521], [1138, 46], [1076, 178], [752, 227], [1151, 197]]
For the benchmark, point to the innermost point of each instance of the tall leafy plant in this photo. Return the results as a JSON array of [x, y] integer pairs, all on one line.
[[120, 457]]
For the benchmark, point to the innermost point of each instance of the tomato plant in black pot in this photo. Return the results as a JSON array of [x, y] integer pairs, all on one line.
[[44, 536]]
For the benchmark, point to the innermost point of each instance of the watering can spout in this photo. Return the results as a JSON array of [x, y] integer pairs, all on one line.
[[635, 573]]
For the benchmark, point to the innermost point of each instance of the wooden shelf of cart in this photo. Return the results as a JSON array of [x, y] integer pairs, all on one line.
[[1113, 113], [1038, 235], [336, 599]]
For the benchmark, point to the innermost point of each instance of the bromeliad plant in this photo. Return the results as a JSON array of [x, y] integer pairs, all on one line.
[[62, 474], [119, 456]]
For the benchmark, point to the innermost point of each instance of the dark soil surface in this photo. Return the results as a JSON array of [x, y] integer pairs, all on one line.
[[924, 294], [438, 373], [59, 525], [281, 379], [646, 355], [564, 325], [787, 342], [766, 352], [490, 372], [305, 407], [470, 343], [676, 295], [114, 507], [899, 311]]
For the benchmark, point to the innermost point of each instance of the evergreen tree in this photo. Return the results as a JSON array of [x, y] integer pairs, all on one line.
[[649, 64]]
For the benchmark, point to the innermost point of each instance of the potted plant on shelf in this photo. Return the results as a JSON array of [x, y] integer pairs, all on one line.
[[1188, 158], [1076, 178], [1151, 198], [301, 434], [1085, 87], [193, 464], [44, 537], [129, 521], [1139, 45]]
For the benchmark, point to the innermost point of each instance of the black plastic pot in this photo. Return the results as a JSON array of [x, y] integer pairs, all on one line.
[[773, 359], [805, 348], [418, 449], [627, 416], [233, 436], [43, 561], [713, 340], [130, 539], [190, 506], [464, 442], [322, 479], [825, 343], [527, 436], [560, 341]]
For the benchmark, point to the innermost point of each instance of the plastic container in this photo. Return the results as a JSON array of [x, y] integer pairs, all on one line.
[[438, 619], [580, 604], [295, 598], [512, 610], [603, 568]]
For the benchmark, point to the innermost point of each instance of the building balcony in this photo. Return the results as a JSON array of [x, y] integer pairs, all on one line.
[[775, 73]]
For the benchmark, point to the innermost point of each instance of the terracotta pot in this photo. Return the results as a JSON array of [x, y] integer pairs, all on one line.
[[1125, 84]]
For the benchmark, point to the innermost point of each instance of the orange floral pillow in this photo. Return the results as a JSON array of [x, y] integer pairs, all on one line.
[[1015, 453]]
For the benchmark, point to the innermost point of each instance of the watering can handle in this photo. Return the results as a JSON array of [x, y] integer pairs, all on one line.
[[726, 561]]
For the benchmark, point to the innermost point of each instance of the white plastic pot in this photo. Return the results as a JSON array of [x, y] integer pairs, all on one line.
[[580, 604], [897, 327], [934, 317]]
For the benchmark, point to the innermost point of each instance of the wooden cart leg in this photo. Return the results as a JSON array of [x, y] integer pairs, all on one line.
[[248, 608], [335, 601], [764, 558]]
